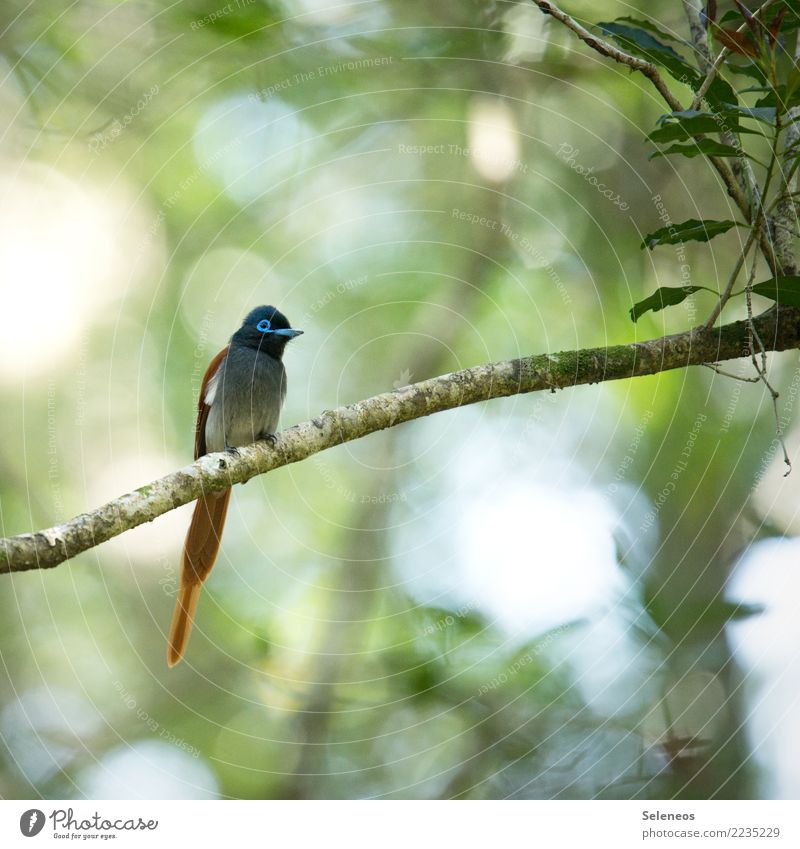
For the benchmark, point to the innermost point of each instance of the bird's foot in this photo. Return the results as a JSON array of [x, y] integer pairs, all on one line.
[[230, 449], [269, 437]]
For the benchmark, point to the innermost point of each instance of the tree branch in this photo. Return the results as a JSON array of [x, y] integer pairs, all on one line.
[[605, 48], [780, 329], [693, 10]]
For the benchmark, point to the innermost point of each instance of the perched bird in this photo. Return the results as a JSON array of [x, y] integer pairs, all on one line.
[[240, 401]]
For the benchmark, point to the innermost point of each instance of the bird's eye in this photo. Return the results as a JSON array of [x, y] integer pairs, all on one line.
[[264, 325]]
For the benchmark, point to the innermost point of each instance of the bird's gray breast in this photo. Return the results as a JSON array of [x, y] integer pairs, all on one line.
[[245, 398]]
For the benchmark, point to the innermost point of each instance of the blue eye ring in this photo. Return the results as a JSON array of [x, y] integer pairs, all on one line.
[[264, 325]]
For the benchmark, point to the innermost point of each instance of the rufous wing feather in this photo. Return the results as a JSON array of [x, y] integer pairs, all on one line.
[[202, 406]]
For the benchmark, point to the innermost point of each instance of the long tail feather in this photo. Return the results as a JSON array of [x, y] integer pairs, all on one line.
[[182, 619], [199, 553]]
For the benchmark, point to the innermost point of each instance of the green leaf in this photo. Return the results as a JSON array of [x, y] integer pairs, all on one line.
[[732, 610], [683, 126], [748, 69], [713, 613], [666, 296], [643, 44], [720, 93], [769, 98], [766, 114], [730, 17], [650, 27], [639, 40], [676, 131], [784, 290], [703, 147], [791, 20], [687, 231], [784, 97]]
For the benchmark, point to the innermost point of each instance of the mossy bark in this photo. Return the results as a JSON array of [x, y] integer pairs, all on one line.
[[44, 549]]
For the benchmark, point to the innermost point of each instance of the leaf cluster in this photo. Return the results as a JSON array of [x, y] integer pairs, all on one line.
[[723, 116]]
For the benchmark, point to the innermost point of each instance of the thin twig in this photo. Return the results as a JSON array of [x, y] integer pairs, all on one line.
[[723, 298], [757, 228], [741, 169], [752, 333], [779, 223], [605, 48], [715, 367], [761, 369]]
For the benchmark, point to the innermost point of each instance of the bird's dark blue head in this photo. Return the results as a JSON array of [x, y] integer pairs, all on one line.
[[266, 329]]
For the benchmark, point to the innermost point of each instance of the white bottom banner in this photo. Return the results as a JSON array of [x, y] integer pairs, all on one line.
[[402, 823]]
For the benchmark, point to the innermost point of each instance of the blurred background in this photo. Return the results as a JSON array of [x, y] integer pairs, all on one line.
[[575, 595]]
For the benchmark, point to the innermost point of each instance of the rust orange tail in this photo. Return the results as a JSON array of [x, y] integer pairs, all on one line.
[[199, 553]]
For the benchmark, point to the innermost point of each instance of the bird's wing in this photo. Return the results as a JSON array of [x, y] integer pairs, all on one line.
[[208, 389]]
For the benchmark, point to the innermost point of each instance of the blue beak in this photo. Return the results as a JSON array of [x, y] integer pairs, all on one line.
[[289, 332]]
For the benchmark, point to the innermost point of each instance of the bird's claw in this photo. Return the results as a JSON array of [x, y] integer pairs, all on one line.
[[269, 437], [230, 449]]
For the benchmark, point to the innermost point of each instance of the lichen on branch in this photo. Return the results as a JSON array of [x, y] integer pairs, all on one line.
[[779, 330]]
